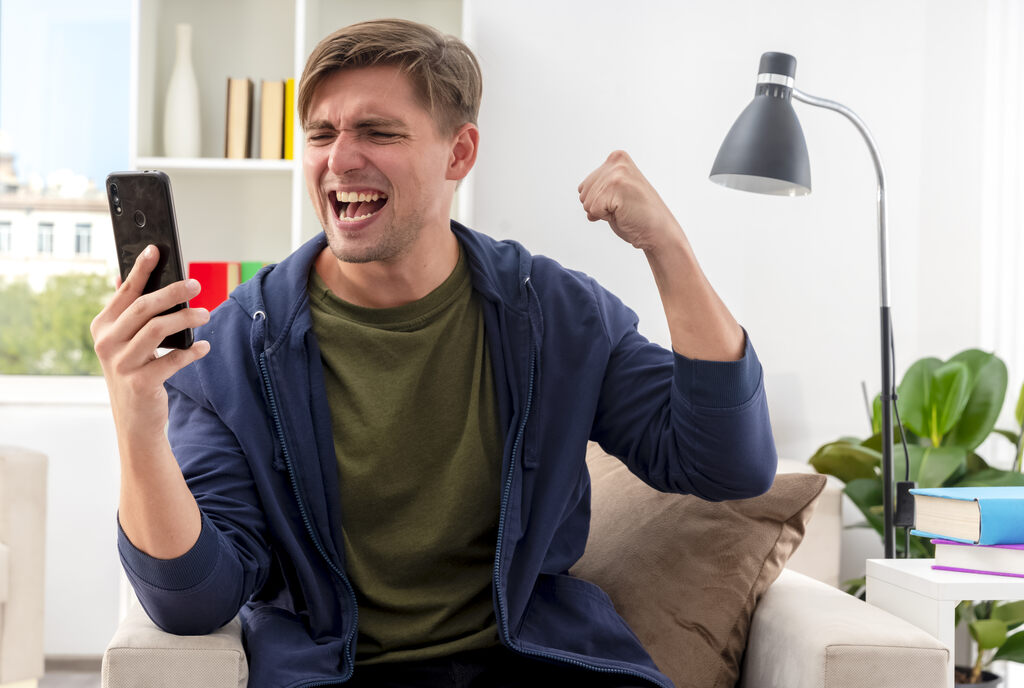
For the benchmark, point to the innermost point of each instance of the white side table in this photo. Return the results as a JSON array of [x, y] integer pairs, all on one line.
[[912, 590]]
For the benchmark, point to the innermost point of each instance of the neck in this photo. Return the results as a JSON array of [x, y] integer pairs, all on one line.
[[387, 284]]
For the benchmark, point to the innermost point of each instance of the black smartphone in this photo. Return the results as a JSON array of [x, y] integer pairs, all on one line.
[[142, 212]]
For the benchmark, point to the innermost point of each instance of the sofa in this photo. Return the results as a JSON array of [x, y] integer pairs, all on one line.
[[22, 552], [702, 584]]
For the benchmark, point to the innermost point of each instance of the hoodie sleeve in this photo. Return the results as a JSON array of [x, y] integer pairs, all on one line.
[[204, 588], [683, 425]]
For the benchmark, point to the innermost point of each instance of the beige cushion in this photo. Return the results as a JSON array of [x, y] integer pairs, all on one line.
[[686, 574], [818, 556]]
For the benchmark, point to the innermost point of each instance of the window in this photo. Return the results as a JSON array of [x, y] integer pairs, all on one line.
[[83, 239], [64, 108], [44, 238]]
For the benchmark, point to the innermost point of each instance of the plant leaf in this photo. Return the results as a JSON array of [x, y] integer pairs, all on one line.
[[1019, 413], [991, 477], [854, 586], [937, 465], [846, 461], [899, 461], [914, 393], [1012, 649], [875, 441], [950, 391], [866, 494], [1010, 612], [876, 414], [964, 611], [1008, 434], [988, 633], [987, 390], [975, 463]]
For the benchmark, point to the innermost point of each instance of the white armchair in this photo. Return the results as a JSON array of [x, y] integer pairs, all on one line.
[[22, 551]]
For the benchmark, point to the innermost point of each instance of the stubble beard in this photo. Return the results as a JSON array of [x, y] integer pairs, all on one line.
[[394, 241]]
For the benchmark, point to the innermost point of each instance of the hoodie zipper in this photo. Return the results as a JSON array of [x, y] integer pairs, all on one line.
[[502, 610], [279, 430]]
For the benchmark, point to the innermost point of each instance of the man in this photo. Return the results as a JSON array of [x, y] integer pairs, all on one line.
[[381, 461]]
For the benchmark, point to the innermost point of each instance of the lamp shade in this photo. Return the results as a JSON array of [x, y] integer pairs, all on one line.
[[765, 151]]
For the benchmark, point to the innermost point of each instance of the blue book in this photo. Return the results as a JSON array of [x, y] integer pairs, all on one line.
[[976, 515]]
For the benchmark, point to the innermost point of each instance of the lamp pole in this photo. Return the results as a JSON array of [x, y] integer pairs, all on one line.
[[886, 320]]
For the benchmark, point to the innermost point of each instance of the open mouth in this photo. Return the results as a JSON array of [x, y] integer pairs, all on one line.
[[351, 206]]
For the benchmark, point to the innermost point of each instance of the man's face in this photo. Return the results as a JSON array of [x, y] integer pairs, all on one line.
[[367, 134]]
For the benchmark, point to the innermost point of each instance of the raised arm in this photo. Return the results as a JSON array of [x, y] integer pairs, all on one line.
[[700, 324]]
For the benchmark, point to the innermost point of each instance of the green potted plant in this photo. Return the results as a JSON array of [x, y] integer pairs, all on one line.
[[946, 410], [990, 624]]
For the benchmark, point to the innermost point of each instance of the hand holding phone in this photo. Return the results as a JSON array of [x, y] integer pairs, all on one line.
[[148, 311]]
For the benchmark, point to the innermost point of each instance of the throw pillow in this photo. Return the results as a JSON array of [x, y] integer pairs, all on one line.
[[686, 574]]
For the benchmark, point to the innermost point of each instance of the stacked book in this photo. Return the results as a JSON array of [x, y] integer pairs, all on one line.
[[218, 280], [273, 130], [974, 529]]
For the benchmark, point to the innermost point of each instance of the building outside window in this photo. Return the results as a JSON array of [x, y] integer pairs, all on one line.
[[58, 140], [83, 239], [44, 239]]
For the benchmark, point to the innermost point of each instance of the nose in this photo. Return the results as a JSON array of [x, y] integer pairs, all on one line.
[[345, 155]]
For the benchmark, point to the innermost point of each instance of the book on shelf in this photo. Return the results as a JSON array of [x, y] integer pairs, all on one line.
[[238, 124], [272, 120], [976, 515], [289, 119], [250, 268], [218, 279], [995, 560]]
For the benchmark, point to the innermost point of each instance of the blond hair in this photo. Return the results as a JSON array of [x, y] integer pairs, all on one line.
[[444, 72]]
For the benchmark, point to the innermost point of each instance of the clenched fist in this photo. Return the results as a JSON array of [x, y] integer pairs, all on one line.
[[617, 192]]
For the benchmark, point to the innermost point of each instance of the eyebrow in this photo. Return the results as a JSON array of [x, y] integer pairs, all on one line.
[[365, 123]]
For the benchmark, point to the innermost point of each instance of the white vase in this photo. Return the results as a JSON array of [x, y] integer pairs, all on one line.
[[181, 109]]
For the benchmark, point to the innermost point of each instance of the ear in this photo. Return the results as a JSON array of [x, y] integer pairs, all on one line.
[[463, 151]]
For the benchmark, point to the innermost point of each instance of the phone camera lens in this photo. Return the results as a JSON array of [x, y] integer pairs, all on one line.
[[140, 218], [113, 189]]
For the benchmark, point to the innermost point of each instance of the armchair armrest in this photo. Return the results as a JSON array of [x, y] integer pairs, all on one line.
[[806, 634], [140, 655]]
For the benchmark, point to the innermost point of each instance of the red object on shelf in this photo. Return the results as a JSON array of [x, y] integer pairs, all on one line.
[[217, 280]]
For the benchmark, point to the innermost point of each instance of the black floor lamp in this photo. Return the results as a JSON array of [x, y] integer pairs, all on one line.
[[765, 152]]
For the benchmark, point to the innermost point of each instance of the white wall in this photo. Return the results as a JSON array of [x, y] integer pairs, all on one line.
[[68, 419], [566, 83]]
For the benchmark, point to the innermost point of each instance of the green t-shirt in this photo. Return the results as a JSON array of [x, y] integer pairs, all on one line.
[[418, 444]]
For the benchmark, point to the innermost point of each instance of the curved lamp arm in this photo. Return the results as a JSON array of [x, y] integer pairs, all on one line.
[[883, 238]]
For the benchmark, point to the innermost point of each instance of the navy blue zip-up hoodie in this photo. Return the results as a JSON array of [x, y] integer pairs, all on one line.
[[251, 428]]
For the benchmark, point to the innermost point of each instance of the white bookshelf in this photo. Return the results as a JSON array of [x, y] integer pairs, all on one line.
[[240, 209]]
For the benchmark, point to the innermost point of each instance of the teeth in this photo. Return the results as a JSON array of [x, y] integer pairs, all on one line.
[[355, 196], [353, 219]]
